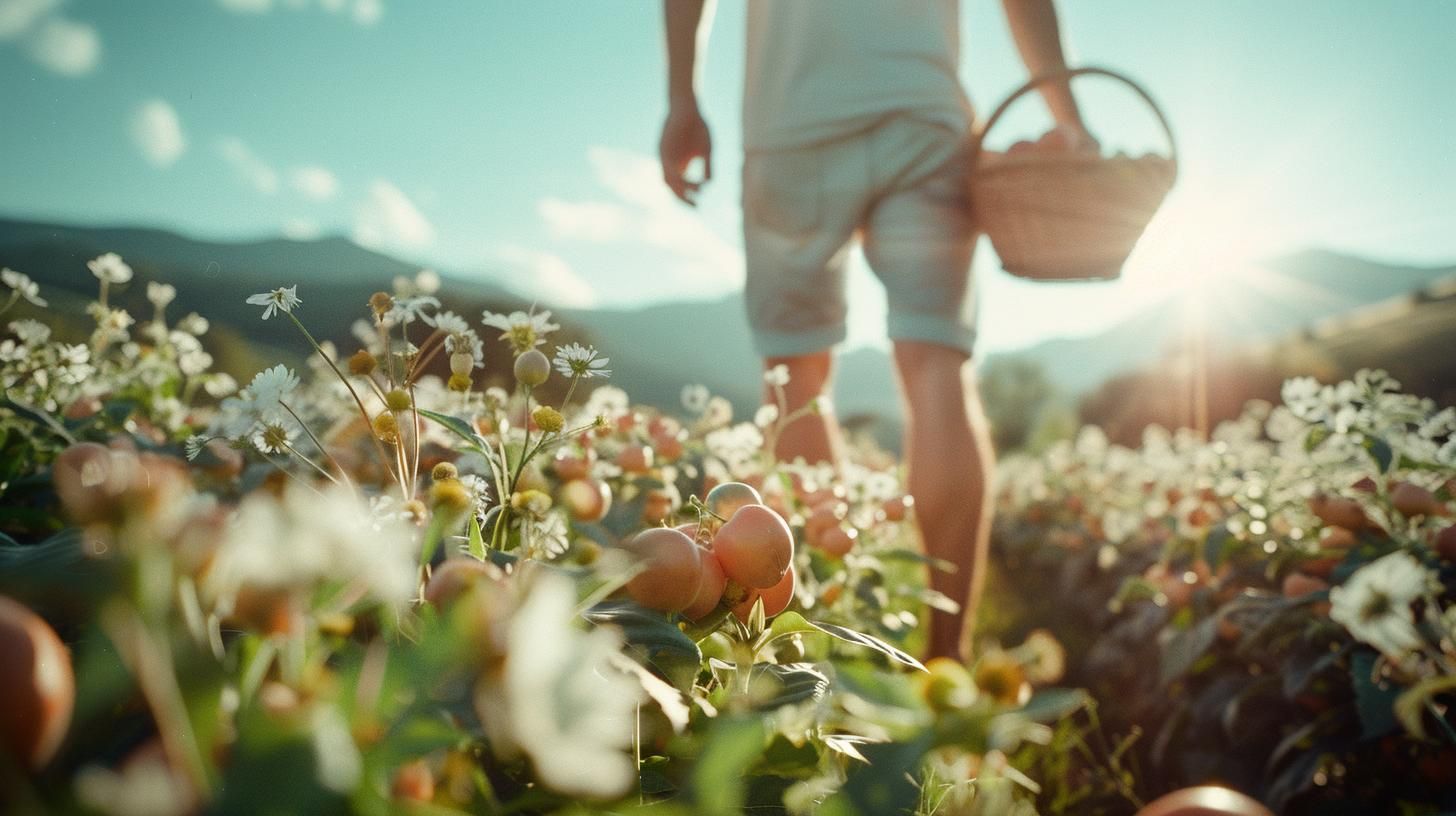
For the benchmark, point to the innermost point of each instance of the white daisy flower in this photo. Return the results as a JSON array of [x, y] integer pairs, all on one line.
[[270, 387], [1375, 604], [220, 385], [409, 309], [110, 268], [777, 376], [274, 437], [523, 330], [23, 286], [31, 332], [695, 398], [282, 299], [576, 360], [193, 446]]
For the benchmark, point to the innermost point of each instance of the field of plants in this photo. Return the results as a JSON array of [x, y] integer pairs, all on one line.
[[395, 581]]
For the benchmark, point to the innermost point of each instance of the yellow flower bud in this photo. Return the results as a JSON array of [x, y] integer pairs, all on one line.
[[443, 471], [450, 496], [386, 429], [548, 419], [459, 382], [381, 302], [362, 364], [397, 400]]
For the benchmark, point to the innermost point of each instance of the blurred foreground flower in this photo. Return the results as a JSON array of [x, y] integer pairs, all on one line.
[[558, 699], [1375, 604]]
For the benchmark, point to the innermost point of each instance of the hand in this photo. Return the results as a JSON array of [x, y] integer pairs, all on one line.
[[684, 138]]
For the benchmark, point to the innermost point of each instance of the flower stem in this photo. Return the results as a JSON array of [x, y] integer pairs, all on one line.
[[317, 443]]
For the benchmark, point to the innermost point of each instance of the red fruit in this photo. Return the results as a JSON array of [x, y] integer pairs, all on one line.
[[755, 547], [635, 459], [824, 516], [453, 578], [414, 781], [896, 508], [36, 684], [569, 464], [587, 500], [1298, 585], [710, 590], [725, 499], [1337, 511], [775, 599], [1445, 544], [690, 529], [1412, 501], [837, 541], [1336, 538], [672, 569]]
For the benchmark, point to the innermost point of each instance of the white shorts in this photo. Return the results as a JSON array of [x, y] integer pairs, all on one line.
[[901, 188]]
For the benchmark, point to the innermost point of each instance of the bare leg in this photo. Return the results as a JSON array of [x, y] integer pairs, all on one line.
[[816, 436], [949, 457]]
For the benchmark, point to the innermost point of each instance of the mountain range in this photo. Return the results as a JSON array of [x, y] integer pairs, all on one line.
[[655, 350]]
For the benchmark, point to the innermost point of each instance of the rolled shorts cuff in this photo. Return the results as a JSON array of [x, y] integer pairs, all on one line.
[[929, 329], [794, 344]]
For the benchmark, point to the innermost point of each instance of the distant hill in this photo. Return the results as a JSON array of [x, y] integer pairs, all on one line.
[[655, 350]]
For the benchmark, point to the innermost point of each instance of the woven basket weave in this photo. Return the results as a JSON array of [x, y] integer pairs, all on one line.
[[1067, 216]]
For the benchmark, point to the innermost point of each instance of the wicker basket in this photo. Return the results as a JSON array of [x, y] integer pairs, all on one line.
[[1065, 216]]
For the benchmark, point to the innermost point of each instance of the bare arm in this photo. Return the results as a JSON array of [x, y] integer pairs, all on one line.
[[685, 134], [1038, 38]]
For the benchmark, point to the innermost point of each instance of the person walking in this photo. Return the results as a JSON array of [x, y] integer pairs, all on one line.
[[856, 128]]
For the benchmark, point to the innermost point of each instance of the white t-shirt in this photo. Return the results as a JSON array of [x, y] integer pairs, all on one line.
[[818, 70]]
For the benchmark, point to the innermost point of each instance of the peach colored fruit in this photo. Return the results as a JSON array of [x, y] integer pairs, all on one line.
[[895, 509], [837, 541], [1412, 501], [1298, 585], [1338, 511], [635, 459], [755, 547], [453, 578], [775, 599], [570, 464], [726, 498], [673, 569], [1205, 800], [36, 684], [414, 781], [710, 590], [586, 499], [657, 506], [824, 516]]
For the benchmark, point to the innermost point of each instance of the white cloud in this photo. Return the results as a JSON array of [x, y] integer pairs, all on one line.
[[247, 6], [548, 277], [387, 217], [314, 182], [65, 46], [583, 220], [158, 133], [19, 16], [645, 213], [363, 12], [250, 169], [301, 229]]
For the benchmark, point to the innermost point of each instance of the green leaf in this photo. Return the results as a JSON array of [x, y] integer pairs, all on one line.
[[1050, 705], [1219, 545], [869, 641], [1186, 647], [654, 638], [1380, 452], [476, 541], [798, 682], [1410, 707], [1317, 435], [1376, 705], [732, 745], [459, 427]]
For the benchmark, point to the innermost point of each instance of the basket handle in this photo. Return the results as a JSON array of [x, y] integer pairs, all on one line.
[[1066, 74]]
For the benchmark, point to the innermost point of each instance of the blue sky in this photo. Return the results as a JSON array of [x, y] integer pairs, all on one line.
[[515, 139]]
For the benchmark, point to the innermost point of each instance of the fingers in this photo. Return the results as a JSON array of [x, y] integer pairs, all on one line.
[[674, 174]]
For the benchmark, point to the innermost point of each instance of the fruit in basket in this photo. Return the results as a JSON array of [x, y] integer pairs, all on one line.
[[672, 569], [36, 684], [755, 547]]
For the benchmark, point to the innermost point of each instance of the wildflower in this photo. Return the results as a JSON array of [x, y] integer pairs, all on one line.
[[362, 363], [380, 303], [110, 268], [766, 415], [578, 361], [548, 419], [161, 294], [270, 387], [607, 401], [282, 299], [22, 284], [386, 428], [408, 310], [1001, 676], [220, 385], [459, 383], [398, 400], [695, 398], [557, 698], [778, 376], [1375, 604], [31, 332], [522, 330], [460, 340], [547, 538], [443, 471], [532, 502], [194, 445], [274, 437], [194, 324], [450, 495]]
